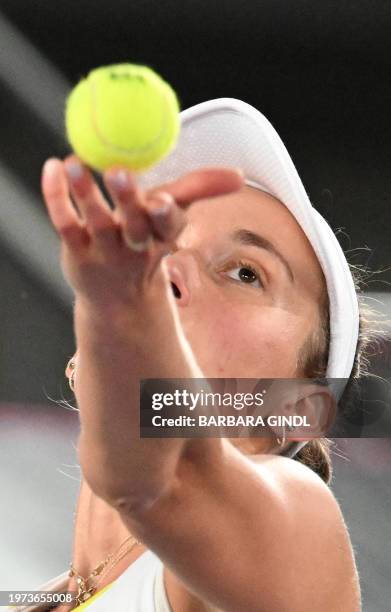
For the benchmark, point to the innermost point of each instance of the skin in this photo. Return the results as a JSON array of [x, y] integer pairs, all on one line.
[[118, 293]]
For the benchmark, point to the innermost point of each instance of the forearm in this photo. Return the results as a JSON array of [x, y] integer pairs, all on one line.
[[117, 348]]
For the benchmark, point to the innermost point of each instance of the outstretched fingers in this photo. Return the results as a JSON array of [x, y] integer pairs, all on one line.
[[203, 183], [145, 222], [166, 218], [91, 204], [132, 209], [59, 204], [143, 218]]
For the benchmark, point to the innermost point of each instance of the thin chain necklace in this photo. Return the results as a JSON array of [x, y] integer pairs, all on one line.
[[86, 588]]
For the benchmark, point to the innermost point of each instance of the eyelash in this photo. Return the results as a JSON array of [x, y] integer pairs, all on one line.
[[242, 263]]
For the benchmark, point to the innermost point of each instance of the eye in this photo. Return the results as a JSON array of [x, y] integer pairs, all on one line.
[[245, 273]]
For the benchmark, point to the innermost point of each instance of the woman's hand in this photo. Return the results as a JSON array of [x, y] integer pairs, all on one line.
[[111, 254], [124, 310]]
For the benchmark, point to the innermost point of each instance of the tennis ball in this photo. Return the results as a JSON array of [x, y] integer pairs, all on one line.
[[122, 115]]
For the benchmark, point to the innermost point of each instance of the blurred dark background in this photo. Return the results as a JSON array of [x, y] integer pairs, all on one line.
[[319, 70]]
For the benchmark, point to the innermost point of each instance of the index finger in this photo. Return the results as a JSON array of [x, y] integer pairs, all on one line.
[[203, 183]]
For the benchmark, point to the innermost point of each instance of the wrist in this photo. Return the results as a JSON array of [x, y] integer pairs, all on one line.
[[113, 314], [134, 298], [117, 333]]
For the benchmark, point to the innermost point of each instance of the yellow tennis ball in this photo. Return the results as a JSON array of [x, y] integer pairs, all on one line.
[[122, 115]]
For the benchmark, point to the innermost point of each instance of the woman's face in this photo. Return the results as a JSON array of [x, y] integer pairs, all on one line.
[[250, 286], [242, 323]]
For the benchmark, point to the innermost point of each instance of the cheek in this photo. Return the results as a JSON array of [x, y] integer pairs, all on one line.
[[248, 342]]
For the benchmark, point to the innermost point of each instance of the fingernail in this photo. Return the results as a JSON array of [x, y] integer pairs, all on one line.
[[119, 179], [74, 170], [49, 166], [162, 203], [137, 245]]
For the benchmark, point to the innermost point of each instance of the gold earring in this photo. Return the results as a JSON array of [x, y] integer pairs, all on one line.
[[71, 379], [281, 442]]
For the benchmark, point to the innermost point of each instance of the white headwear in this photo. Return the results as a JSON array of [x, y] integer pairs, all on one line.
[[231, 133]]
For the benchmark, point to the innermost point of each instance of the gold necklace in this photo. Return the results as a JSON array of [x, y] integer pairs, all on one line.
[[85, 588]]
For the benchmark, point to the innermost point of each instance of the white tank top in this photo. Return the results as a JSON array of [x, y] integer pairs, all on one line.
[[140, 588]]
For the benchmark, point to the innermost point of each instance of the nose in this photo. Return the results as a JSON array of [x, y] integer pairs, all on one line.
[[183, 275]]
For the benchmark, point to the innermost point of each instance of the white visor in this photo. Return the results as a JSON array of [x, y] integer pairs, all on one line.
[[231, 133]]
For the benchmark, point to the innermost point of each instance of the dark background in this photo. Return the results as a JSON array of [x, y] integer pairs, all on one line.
[[319, 70]]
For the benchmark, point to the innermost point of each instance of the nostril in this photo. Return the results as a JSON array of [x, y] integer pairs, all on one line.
[[175, 290]]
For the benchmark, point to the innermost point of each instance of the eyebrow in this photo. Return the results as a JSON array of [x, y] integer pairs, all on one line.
[[245, 236]]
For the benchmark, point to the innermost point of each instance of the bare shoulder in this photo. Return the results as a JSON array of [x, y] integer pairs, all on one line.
[[309, 499], [309, 543], [318, 548]]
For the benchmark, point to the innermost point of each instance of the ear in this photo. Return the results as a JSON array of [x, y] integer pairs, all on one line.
[[317, 407]]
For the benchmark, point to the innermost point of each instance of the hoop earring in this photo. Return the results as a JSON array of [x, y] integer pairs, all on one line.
[[282, 441], [71, 379]]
